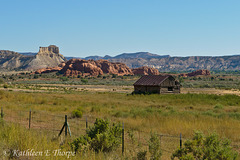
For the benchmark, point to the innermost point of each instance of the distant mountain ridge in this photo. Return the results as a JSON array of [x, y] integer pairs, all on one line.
[[164, 63], [145, 55]]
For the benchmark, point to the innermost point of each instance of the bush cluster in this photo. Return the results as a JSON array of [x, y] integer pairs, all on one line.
[[102, 137]]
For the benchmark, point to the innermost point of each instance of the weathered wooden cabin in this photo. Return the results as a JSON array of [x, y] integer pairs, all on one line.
[[157, 84]]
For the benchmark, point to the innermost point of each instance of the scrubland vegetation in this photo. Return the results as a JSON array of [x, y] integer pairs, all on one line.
[[145, 117], [218, 79], [162, 114]]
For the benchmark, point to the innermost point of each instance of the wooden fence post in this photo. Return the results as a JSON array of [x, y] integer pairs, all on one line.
[[122, 138], [66, 127], [180, 140], [160, 141], [1, 112], [30, 115], [86, 124]]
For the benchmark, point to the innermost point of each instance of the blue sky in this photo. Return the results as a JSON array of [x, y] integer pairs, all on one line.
[[99, 27]]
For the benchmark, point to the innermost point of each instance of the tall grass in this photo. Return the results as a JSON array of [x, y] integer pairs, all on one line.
[[166, 114]]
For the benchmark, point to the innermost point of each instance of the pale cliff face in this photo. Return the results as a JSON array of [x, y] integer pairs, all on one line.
[[46, 57], [50, 49]]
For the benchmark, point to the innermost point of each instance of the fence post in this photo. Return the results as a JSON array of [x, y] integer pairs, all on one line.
[[86, 124], [65, 124], [1, 112], [160, 141], [122, 138], [180, 140], [30, 115]]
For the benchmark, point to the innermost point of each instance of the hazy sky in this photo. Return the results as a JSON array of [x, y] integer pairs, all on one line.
[[99, 27]]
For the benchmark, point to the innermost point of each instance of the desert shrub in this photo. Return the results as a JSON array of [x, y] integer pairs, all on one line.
[[1, 81], [84, 81], [121, 114], [209, 147], [5, 86], [114, 76], [154, 147], [35, 76], [234, 115], [218, 106], [64, 79], [95, 109], [77, 113], [141, 155], [101, 137]]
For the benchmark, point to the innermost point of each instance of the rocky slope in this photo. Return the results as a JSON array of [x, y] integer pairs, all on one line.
[[185, 63], [10, 60], [46, 57]]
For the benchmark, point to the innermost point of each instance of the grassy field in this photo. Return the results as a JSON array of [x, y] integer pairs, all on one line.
[[208, 104], [162, 114]]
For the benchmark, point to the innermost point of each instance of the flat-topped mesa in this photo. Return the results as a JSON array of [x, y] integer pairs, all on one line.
[[50, 49]]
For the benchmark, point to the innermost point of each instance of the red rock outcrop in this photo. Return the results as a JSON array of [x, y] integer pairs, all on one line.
[[200, 72], [47, 70], [145, 71], [113, 67], [75, 67], [82, 67]]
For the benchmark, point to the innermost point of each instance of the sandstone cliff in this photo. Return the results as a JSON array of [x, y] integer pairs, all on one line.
[[145, 71]]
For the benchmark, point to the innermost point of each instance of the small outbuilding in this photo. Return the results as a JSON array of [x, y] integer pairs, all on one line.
[[161, 84]]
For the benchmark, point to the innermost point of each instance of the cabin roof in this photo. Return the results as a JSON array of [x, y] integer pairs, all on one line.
[[151, 80]]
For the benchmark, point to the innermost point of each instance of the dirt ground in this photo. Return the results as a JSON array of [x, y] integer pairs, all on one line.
[[118, 89]]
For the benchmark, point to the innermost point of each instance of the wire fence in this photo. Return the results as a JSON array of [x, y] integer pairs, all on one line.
[[53, 123]]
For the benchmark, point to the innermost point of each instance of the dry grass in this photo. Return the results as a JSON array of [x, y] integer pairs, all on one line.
[[163, 114]]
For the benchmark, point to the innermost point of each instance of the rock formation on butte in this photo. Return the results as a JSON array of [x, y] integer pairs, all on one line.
[[145, 71], [76, 67], [46, 57], [200, 72]]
